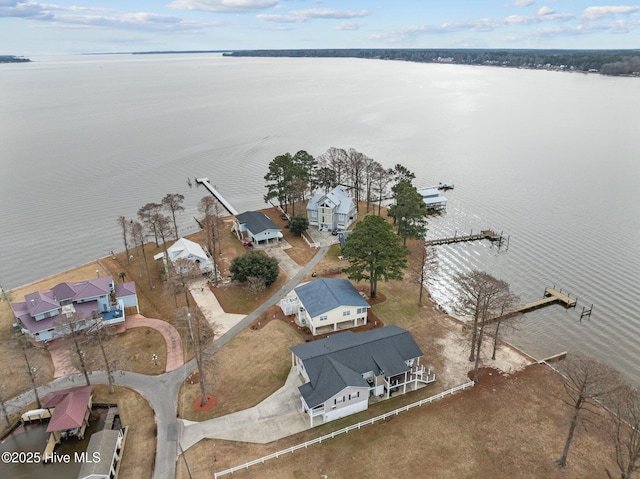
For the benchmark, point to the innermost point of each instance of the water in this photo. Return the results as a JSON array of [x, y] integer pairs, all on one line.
[[550, 158]]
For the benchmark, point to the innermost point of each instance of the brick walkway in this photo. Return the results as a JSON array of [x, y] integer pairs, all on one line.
[[175, 355]]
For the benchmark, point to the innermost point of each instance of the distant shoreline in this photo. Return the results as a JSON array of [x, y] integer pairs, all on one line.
[[606, 62], [13, 59]]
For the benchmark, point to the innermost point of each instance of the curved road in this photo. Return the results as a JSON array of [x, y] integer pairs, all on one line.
[[162, 391]]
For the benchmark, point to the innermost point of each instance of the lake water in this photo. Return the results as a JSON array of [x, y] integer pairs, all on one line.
[[552, 159]]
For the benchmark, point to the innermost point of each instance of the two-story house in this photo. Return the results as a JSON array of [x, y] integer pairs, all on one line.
[[46, 314], [335, 210], [344, 370], [330, 304]]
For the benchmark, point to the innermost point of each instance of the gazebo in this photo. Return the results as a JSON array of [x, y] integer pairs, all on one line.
[[70, 416]]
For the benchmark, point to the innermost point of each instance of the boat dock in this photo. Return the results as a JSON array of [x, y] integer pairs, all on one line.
[[551, 296], [484, 234], [227, 206]]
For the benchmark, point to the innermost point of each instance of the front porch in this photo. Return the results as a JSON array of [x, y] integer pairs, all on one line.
[[330, 328], [408, 381]]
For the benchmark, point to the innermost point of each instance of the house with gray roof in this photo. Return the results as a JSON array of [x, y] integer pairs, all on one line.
[[330, 304], [45, 314], [256, 227], [335, 210], [344, 371]]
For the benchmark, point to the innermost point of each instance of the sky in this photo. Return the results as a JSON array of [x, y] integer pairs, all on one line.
[[84, 26]]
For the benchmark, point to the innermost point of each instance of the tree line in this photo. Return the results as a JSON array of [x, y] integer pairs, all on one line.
[[609, 62]]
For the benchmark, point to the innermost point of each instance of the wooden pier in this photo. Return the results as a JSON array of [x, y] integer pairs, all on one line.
[[484, 234], [227, 206], [551, 296]]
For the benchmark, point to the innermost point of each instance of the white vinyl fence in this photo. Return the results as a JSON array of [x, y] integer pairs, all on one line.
[[319, 440]]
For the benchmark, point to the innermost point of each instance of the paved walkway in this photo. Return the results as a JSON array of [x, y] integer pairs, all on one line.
[[175, 354], [280, 415], [60, 352], [218, 319], [162, 391]]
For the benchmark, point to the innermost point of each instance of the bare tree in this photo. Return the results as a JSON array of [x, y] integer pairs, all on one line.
[[355, 170], [585, 381], [256, 284], [181, 274], [31, 371], [173, 202], [426, 265], [625, 408], [335, 159], [73, 326], [138, 233], [148, 214], [482, 297], [212, 225], [200, 334], [110, 356], [124, 224], [3, 407], [381, 179]]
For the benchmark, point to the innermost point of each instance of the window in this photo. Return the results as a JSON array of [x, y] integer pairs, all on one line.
[[323, 317], [346, 313], [354, 395], [339, 400], [362, 310]]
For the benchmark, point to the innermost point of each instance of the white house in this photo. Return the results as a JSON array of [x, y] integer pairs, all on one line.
[[45, 314], [344, 370], [330, 302], [186, 249], [333, 210], [256, 227], [103, 454]]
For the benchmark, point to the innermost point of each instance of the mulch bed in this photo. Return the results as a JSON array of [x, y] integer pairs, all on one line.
[[211, 403], [275, 313]]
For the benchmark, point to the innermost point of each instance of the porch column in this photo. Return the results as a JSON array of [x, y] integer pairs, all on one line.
[[335, 326], [404, 387], [355, 322]]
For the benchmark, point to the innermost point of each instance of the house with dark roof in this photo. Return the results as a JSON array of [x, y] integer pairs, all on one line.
[[330, 304], [46, 314], [334, 210], [344, 370], [256, 227]]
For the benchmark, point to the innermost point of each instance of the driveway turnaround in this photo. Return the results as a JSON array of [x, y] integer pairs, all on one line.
[[175, 355], [278, 416]]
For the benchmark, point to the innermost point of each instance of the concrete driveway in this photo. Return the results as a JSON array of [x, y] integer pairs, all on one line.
[[278, 416], [290, 267]]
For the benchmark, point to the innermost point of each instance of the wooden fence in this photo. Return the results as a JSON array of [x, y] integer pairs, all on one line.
[[319, 440]]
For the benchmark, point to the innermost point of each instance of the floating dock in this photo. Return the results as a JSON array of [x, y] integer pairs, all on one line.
[[227, 206], [484, 234]]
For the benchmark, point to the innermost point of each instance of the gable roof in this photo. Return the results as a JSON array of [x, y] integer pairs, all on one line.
[[340, 360], [105, 443], [70, 407], [125, 289], [337, 198], [256, 222], [183, 248], [326, 294]]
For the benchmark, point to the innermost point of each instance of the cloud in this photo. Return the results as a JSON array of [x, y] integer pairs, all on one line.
[[279, 18], [329, 13], [520, 3], [546, 11], [596, 13], [224, 6], [349, 26]]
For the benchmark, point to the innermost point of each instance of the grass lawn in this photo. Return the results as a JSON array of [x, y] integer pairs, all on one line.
[[505, 427], [135, 413], [247, 370]]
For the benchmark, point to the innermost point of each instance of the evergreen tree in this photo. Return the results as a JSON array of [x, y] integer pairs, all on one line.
[[374, 252], [254, 264]]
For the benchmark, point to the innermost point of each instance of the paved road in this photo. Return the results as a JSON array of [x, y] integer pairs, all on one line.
[[162, 391]]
